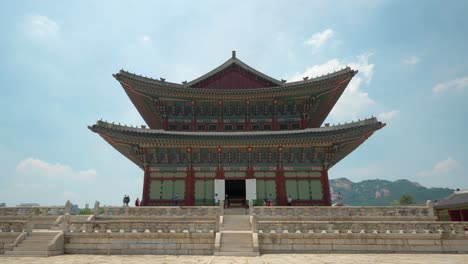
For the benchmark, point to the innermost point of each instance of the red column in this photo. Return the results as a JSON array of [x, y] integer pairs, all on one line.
[[248, 126], [146, 187], [219, 170], [280, 188], [190, 181], [280, 180], [220, 116], [250, 174], [190, 189], [326, 188], [275, 124]]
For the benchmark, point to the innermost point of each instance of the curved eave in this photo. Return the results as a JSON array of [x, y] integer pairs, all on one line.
[[348, 137], [155, 88]]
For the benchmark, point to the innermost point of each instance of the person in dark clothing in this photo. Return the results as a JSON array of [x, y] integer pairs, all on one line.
[[137, 202]]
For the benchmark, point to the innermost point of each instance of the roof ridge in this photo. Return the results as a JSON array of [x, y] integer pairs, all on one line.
[[231, 61]]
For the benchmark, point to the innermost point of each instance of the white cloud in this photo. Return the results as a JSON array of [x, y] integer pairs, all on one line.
[[146, 39], [36, 167], [320, 38], [41, 26], [354, 100], [388, 115], [441, 168], [411, 60], [458, 85]]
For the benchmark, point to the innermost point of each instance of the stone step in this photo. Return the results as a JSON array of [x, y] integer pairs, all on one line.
[[239, 254], [31, 247], [236, 249], [27, 253]]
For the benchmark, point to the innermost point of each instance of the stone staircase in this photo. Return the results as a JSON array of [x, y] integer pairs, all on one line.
[[39, 243], [236, 237]]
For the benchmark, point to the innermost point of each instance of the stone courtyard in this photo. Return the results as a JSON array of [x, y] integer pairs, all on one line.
[[267, 258]]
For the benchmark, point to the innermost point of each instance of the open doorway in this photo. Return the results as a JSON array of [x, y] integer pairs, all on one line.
[[235, 191]]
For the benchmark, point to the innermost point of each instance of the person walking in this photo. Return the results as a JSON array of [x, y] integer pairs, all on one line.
[[339, 199], [289, 200], [176, 199], [270, 200], [137, 202], [216, 199]]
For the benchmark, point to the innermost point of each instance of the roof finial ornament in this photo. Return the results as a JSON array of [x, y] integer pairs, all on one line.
[[233, 54], [305, 78]]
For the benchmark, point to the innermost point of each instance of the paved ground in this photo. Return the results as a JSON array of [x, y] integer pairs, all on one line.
[[268, 258]]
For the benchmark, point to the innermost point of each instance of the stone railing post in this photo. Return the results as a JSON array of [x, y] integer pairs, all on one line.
[[221, 207], [430, 208], [251, 207], [96, 208], [29, 224], [68, 206], [66, 223]]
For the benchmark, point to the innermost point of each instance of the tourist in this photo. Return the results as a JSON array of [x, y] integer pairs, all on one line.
[[127, 201], [226, 202], [137, 202], [339, 199], [216, 199], [264, 203], [270, 200], [176, 199], [289, 200]]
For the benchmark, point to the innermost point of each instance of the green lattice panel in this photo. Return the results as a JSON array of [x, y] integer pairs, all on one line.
[[155, 189], [316, 189]]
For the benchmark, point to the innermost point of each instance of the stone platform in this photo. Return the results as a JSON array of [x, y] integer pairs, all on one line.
[[214, 230]]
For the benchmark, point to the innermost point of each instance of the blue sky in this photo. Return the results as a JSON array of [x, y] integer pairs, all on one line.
[[58, 57]]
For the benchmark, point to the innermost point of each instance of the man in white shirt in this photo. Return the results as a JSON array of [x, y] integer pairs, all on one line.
[[216, 199]]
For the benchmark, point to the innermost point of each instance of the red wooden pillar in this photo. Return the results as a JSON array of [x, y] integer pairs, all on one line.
[[280, 180], [190, 181], [219, 170], [190, 189], [326, 187], [220, 117], [249, 173], [194, 121], [146, 187], [248, 126], [165, 123]]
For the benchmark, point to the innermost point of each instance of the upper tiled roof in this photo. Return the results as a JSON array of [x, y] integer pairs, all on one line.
[[234, 61]]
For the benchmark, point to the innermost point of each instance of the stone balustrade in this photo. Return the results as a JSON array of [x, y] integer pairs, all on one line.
[[161, 211], [13, 225], [380, 227], [32, 210], [35, 210], [343, 211], [140, 226]]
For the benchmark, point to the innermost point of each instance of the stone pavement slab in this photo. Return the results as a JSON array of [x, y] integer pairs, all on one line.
[[263, 259]]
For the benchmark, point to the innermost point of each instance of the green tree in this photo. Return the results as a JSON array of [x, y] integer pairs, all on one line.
[[395, 203], [86, 211], [406, 199]]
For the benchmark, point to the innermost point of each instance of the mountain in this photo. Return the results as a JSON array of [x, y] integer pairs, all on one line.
[[383, 192]]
